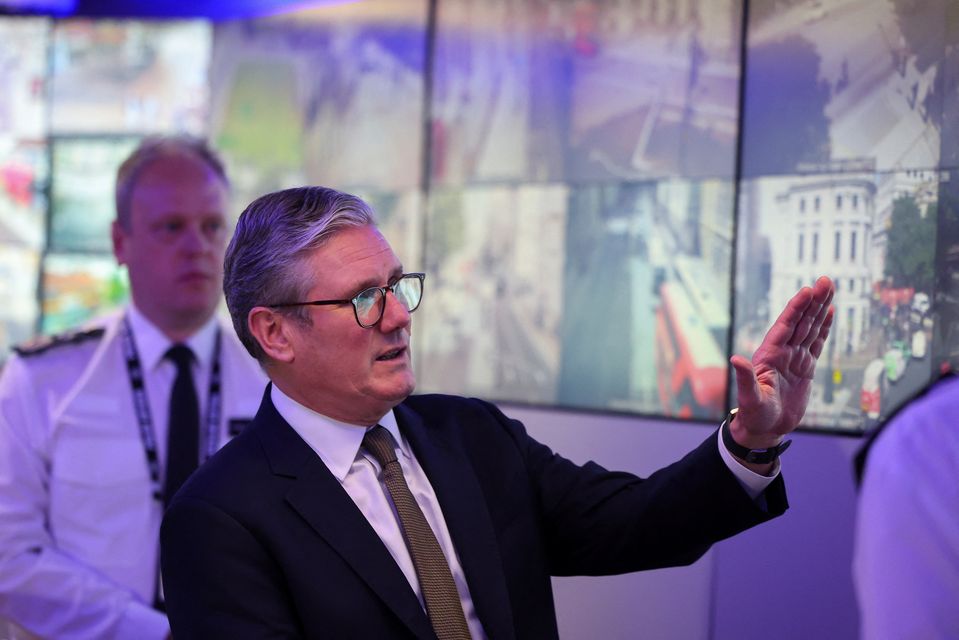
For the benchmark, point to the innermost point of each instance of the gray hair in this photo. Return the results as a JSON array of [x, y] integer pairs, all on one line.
[[152, 148], [273, 234]]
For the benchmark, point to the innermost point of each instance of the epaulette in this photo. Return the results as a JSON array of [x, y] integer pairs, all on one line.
[[45, 343]]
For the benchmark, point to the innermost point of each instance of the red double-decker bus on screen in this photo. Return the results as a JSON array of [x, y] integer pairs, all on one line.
[[690, 366]]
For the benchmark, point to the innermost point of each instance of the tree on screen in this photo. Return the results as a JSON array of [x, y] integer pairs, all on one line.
[[910, 252]]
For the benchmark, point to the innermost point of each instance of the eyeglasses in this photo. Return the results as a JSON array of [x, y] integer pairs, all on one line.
[[369, 304]]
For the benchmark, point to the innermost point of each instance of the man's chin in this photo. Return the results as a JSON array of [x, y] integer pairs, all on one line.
[[398, 392], [195, 312]]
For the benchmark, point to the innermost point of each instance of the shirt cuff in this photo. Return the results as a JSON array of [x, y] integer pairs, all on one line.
[[141, 621], [752, 483]]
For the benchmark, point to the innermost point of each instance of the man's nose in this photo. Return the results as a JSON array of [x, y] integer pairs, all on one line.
[[395, 315], [194, 240]]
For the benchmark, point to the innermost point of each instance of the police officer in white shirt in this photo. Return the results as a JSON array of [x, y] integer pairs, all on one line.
[[84, 417]]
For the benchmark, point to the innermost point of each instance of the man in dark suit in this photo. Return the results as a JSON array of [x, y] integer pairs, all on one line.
[[349, 508]]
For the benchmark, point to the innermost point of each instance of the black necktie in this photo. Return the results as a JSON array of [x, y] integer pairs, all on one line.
[[436, 581], [183, 436]]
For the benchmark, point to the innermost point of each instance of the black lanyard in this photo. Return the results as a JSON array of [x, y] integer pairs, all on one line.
[[141, 405]]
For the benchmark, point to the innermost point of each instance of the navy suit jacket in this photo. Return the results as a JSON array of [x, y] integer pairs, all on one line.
[[263, 541]]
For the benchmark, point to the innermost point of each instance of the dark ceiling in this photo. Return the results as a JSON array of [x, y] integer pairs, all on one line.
[[211, 9]]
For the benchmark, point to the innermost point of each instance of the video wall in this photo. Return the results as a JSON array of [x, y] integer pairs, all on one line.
[[609, 198]]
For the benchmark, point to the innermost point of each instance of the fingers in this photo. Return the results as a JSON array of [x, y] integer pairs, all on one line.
[[824, 286], [801, 322], [747, 388], [783, 330], [816, 347], [810, 323], [816, 326]]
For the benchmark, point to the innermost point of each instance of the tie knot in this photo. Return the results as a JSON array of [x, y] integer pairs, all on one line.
[[181, 355], [379, 442]]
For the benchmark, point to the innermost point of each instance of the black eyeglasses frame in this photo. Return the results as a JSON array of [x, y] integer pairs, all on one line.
[[356, 314]]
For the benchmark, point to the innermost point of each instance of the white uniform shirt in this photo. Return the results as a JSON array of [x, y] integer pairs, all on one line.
[[160, 373], [906, 560], [78, 524]]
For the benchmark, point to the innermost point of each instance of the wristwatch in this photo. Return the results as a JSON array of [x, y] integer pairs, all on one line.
[[758, 456]]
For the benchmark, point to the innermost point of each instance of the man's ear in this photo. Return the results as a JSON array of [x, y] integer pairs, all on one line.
[[118, 236], [271, 330]]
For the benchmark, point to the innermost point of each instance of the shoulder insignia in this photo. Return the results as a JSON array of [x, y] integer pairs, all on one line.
[[45, 343]]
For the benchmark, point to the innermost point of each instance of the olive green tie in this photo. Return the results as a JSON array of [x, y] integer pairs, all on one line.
[[439, 591]]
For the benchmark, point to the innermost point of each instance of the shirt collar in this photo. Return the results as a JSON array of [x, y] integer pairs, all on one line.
[[152, 344], [337, 443]]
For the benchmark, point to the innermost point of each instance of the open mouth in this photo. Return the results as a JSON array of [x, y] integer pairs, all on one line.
[[392, 355]]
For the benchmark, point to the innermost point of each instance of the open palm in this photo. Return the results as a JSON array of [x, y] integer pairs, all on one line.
[[773, 389]]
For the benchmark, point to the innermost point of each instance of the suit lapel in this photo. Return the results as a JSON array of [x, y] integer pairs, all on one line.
[[463, 504], [320, 500]]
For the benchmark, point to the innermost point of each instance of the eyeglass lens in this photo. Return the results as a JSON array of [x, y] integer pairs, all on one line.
[[370, 303]]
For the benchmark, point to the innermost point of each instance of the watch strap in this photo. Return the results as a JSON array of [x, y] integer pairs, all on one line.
[[757, 456]]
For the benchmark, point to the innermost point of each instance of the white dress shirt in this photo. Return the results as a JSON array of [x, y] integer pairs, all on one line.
[[159, 374], [338, 446], [753, 483]]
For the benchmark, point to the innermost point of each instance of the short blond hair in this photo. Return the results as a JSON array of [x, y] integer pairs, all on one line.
[[150, 149]]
